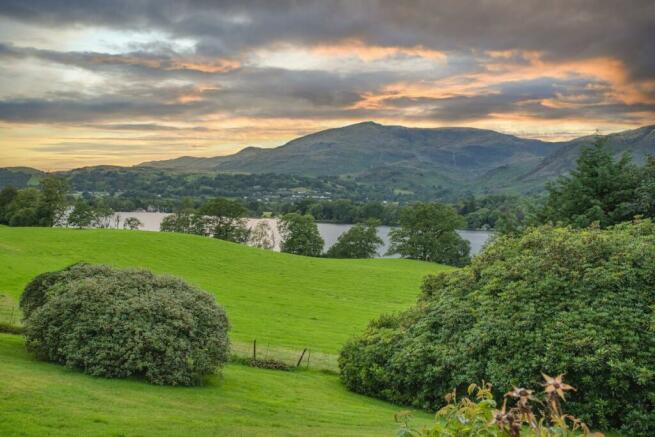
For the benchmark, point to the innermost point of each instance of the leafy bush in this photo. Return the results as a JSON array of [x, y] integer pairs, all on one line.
[[120, 323], [530, 416], [578, 302]]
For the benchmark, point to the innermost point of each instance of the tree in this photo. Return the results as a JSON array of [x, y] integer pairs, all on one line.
[[645, 192], [132, 223], [225, 220], [598, 190], [103, 215], [262, 236], [52, 203], [7, 195], [428, 232], [23, 209], [82, 215], [360, 241], [184, 222], [300, 235]]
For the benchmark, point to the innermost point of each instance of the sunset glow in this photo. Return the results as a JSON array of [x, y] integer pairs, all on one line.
[[125, 82]]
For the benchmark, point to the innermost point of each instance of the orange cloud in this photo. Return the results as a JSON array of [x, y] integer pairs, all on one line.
[[365, 52], [176, 64]]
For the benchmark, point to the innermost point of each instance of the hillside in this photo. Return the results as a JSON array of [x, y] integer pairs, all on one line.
[[18, 176], [286, 302], [451, 160], [372, 153], [282, 300], [638, 142], [38, 398]]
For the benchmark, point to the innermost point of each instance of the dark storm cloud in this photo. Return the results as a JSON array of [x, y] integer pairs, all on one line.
[[568, 29], [158, 80], [90, 109]]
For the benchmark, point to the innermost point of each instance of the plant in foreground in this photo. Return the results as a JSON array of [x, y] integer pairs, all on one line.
[[530, 416]]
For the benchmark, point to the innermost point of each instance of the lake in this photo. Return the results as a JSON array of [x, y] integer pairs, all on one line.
[[329, 231]]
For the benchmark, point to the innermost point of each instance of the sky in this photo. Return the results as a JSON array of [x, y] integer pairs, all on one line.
[[121, 82]]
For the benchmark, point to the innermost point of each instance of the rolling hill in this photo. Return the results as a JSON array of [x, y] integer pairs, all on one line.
[[282, 300], [287, 302]]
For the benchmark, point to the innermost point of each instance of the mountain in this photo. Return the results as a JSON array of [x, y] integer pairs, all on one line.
[[638, 142], [389, 161], [372, 153], [444, 160], [363, 147]]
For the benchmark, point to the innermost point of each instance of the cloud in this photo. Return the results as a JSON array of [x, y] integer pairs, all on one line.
[[561, 29], [239, 72]]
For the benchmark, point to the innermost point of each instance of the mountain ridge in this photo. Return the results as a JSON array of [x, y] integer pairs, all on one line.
[[478, 160], [435, 162]]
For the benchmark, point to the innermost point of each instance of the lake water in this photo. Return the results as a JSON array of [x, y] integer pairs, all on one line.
[[329, 231]]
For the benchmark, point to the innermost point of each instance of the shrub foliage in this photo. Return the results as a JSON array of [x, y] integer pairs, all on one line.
[[578, 302], [120, 323]]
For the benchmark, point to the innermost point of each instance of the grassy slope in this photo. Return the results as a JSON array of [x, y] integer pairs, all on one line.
[[282, 300], [39, 398]]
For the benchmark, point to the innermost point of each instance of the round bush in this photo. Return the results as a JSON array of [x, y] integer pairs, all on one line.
[[36, 292], [120, 323], [554, 300]]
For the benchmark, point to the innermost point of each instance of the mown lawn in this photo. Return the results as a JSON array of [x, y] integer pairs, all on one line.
[[284, 301], [38, 398]]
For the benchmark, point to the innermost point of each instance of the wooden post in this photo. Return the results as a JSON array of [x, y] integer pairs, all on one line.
[[309, 355], [301, 357], [254, 350]]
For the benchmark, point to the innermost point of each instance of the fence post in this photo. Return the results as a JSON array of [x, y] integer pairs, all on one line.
[[301, 357]]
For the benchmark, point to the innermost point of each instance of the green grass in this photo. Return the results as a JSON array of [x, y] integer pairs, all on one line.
[[38, 398], [284, 301]]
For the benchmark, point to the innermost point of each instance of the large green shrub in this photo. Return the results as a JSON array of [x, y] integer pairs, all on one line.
[[579, 302], [37, 291], [120, 323]]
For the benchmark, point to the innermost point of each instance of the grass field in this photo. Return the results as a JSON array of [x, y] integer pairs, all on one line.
[[286, 302], [39, 398], [281, 300]]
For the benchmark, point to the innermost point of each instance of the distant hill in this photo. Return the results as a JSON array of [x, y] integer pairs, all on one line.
[[19, 177], [393, 161], [414, 159], [372, 153], [638, 142], [364, 147]]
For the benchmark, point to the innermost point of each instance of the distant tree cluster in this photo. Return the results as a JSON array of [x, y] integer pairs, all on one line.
[[345, 211], [219, 218], [42, 206], [493, 212]]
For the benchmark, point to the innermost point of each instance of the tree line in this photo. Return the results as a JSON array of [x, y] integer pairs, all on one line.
[[601, 191], [51, 204]]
